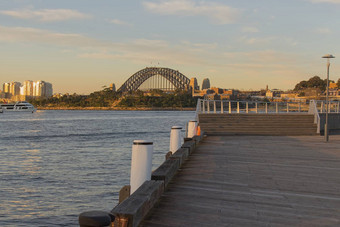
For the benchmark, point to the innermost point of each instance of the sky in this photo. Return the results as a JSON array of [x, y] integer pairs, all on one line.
[[82, 45]]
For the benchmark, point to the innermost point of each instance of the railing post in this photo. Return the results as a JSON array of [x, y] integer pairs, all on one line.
[[229, 107], [266, 107], [277, 107], [238, 107], [208, 106], [255, 107], [287, 107], [299, 106], [247, 109], [214, 106], [322, 104], [203, 106], [222, 106]]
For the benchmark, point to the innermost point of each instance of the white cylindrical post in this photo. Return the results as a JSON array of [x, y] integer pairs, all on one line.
[[238, 107], [175, 138], [214, 106], [208, 106], [141, 163], [192, 129], [203, 107]]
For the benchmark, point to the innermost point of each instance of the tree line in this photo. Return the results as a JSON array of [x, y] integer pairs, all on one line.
[[314, 82], [109, 98]]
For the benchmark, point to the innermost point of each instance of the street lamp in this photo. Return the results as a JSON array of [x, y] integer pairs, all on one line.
[[328, 56]]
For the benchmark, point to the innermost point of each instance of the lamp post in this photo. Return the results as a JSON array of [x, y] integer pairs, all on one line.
[[328, 56]]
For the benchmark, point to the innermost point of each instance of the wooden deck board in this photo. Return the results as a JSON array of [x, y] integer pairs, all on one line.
[[255, 181]]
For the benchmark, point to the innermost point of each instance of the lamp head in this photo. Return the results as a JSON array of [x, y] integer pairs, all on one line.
[[328, 56]]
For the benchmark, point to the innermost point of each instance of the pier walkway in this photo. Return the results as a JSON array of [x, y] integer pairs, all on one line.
[[255, 181]]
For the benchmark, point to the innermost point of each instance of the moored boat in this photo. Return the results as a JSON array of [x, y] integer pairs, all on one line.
[[17, 107]]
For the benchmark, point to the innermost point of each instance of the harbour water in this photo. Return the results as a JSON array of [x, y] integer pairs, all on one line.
[[55, 164]]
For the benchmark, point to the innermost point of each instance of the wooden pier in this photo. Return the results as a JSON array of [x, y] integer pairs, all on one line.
[[254, 181]]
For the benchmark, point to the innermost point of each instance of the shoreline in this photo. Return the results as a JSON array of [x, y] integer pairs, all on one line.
[[120, 108]]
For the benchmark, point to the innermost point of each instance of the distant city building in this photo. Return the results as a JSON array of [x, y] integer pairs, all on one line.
[[19, 92], [112, 87], [14, 88], [206, 84], [42, 89], [6, 87], [193, 84], [27, 88]]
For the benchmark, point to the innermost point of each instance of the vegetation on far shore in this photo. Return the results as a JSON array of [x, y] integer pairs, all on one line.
[[109, 98]]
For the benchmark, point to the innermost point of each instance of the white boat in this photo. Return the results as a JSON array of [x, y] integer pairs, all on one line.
[[17, 107]]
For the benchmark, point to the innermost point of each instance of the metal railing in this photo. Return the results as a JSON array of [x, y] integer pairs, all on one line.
[[228, 107]]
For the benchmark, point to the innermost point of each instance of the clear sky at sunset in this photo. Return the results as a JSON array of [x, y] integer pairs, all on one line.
[[81, 45]]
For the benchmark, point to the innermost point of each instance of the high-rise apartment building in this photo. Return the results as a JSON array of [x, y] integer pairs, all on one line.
[[14, 88], [5, 87], [27, 88], [42, 89]]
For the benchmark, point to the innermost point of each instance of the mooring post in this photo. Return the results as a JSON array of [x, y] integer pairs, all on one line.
[[238, 107], [247, 107], [175, 138], [141, 163], [95, 219], [229, 107], [256, 107], [192, 129], [266, 107]]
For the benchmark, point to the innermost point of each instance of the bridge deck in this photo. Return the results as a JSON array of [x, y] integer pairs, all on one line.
[[255, 181]]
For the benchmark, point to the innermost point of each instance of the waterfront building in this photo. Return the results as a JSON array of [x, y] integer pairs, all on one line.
[[27, 88], [14, 88], [6, 87], [42, 89], [206, 84]]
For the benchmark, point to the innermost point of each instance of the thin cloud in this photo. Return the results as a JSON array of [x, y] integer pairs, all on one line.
[[325, 1], [217, 12], [323, 31], [46, 15], [120, 22], [250, 30]]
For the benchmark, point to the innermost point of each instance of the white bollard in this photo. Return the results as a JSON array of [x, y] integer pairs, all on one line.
[[192, 129], [175, 138], [141, 163]]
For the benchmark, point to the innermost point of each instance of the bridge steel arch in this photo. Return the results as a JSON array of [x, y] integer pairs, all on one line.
[[136, 80]]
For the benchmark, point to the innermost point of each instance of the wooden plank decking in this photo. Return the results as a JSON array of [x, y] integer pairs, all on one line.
[[255, 181]]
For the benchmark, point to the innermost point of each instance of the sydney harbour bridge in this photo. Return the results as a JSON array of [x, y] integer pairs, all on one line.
[[156, 78]]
